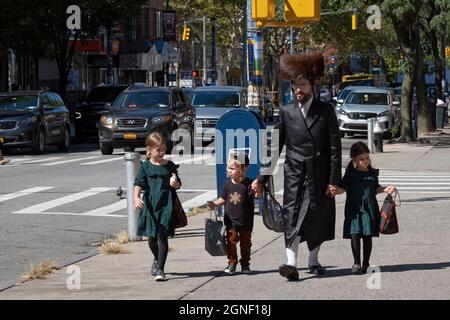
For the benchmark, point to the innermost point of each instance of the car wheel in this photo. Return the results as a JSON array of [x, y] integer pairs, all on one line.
[[129, 149], [81, 138], [64, 145], [106, 149], [39, 143]]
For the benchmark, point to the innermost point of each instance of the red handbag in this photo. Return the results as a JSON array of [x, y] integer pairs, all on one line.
[[388, 219]]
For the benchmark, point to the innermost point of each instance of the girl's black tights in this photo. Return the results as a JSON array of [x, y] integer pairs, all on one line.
[[356, 249], [160, 248]]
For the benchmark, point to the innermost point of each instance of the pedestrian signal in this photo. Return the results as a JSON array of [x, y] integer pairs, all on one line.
[[186, 33], [195, 74], [447, 52]]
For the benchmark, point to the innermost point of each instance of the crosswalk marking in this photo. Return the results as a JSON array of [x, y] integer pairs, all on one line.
[[42, 207], [69, 161], [41, 160], [102, 161], [200, 199], [21, 193], [103, 211]]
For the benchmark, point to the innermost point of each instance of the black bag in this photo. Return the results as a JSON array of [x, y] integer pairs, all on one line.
[[388, 219], [179, 216], [272, 213], [215, 237]]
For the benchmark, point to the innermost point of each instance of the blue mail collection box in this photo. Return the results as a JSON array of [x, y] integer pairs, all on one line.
[[238, 131]]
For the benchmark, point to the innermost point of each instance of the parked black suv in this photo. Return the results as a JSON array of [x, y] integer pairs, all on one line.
[[141, 110], [33, 119], [88, 113]]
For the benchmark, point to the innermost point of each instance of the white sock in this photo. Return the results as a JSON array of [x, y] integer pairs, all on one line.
[[292, 252], [314, 257]]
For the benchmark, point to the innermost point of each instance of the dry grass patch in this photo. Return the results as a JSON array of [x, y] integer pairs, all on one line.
[[39, 271], [198, 210], [123, 237], [110, 246]]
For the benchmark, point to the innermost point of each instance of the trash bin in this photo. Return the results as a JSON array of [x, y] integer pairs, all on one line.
[[440, 117], [238, 131]]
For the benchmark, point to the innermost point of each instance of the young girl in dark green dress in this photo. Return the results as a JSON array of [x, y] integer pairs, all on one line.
[[158, 178], [362, 214]]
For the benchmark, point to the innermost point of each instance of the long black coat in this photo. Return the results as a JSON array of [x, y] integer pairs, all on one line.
[[313, 161]]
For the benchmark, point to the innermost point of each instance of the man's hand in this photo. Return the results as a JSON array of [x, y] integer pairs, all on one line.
[[257, 187], [331, 190]]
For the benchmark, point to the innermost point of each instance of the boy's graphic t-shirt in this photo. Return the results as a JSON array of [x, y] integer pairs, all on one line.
[[239, 205]]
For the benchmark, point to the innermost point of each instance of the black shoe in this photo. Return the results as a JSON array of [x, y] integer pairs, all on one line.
[[364, 268], [356, 269], [245, 269], [318, 269], [154, 268], [289, 272], [160, 275], [230, 269]]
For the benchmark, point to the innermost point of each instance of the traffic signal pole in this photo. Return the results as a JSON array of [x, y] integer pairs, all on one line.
[[204, 49]]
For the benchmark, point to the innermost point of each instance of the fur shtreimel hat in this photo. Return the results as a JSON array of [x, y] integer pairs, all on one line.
[[309, 65]]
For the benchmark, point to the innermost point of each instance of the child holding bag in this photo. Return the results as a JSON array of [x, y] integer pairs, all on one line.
[[362, 214]]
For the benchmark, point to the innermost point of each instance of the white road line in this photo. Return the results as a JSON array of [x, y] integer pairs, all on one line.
[[102, 161], [15, 160], [423, 188], [41, 160], [106, 210], [414, 177], [68, 161], [416, 183], [21, 193], [200, 200], [42, 207]]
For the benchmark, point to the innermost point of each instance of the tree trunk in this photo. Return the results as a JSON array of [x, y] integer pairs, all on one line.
[[437, 63], [423, 112], [407, 93]]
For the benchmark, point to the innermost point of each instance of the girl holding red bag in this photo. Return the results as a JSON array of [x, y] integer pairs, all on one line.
[[362, 214]]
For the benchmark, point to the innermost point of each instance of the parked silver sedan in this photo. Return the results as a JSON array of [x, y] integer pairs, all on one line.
[[362, 104]]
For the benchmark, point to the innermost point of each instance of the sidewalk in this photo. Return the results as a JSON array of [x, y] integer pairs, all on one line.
[[414, 263]]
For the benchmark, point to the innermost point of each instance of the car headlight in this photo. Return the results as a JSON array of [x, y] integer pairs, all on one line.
[[384, 114], [106, 120], [341, 111], [26, 121], [161, 119]]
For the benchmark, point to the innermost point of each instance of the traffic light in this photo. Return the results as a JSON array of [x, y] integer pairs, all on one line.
[[186, 33], [354, 21], [195, 73]]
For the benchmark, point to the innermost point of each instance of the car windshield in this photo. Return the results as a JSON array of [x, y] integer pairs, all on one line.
[[18, 102], [344, 94], [104, 94], [368, 98], [215, 99], [152, 99]]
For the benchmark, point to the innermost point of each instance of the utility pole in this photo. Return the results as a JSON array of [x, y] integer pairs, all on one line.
[[204, 49], [109, 64], [244, 48], [444, 60], [213, 50]]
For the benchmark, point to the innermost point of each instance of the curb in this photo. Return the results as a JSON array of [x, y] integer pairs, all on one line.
[[60, 266]]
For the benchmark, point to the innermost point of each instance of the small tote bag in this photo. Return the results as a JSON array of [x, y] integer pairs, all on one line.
[[388, 219]]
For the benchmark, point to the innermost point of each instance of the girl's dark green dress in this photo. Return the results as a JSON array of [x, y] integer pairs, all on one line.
[[362, 214], [156, 216]]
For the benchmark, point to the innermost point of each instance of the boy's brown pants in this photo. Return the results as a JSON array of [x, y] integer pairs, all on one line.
[[245, 239]]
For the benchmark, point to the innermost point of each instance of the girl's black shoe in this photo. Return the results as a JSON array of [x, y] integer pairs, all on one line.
[[364, 268], [356, 269], [154, 268]]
